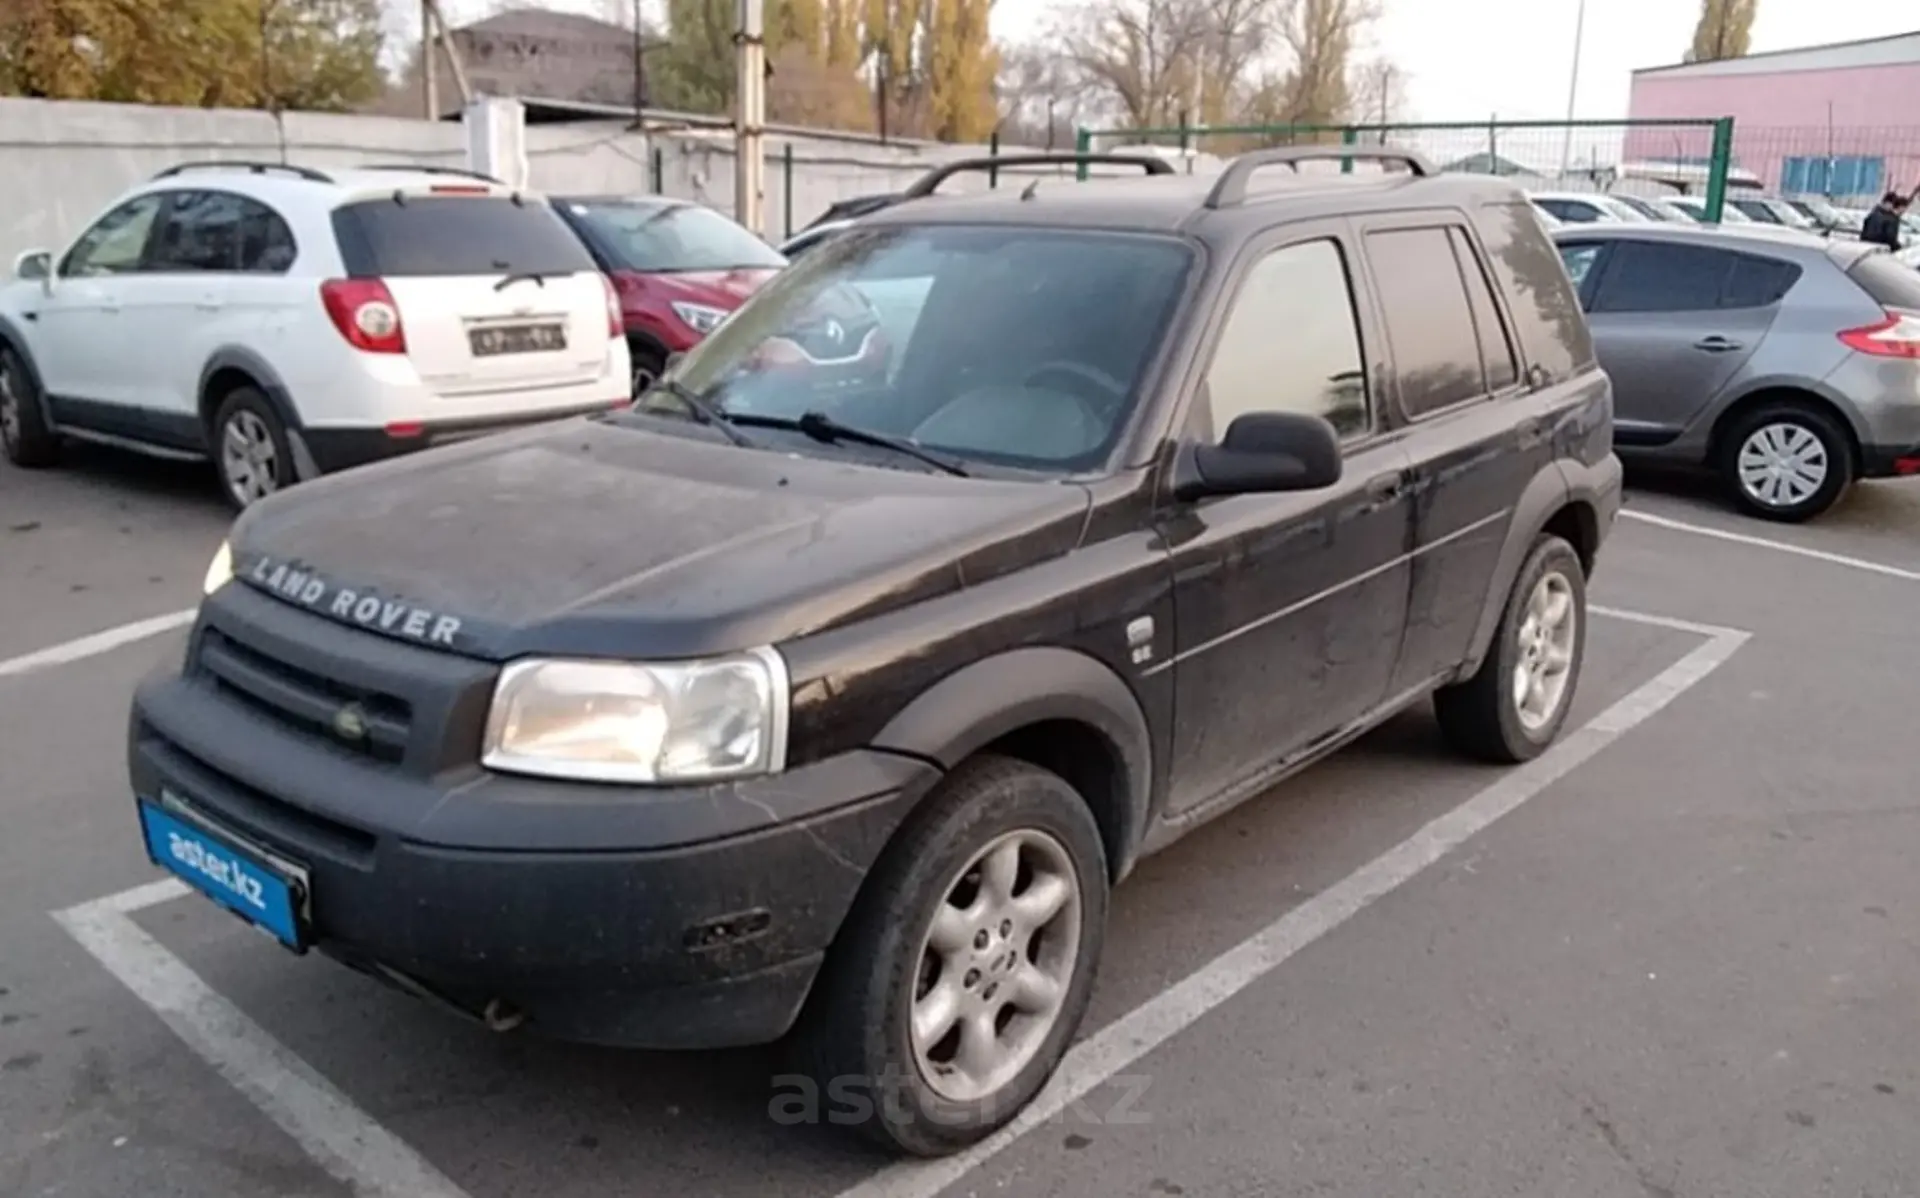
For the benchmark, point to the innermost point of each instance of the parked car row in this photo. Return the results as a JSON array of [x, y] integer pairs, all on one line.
[[284, 322]]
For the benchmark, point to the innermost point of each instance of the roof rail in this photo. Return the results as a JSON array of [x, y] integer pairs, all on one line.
[[1231, 189], [257, 168], [461, 171], [926, 184]]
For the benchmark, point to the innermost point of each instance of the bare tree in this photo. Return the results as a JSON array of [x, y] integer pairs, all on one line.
[[1376, 92], [1142, 55]]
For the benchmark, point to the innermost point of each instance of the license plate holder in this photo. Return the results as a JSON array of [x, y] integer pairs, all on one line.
[[499, 340], [248, 879]]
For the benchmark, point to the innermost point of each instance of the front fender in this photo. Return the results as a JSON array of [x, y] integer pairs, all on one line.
[[978, 704]]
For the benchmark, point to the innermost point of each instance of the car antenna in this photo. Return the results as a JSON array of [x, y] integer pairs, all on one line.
[[1032, 188]]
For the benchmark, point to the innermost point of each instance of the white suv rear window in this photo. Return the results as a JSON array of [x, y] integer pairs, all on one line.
[[443, 236]]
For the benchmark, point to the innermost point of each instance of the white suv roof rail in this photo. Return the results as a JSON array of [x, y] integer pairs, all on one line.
[[253, 168]]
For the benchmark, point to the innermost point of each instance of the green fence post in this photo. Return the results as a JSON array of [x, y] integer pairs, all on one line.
[[1348, 136], [786, 185], [993, 152], [1717, 170], [1082, 146], [656, 170], [1493, 145]]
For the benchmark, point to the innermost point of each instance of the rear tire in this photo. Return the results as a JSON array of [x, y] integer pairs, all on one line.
[[1786, 462], [1516, 704], [24, 434], [251, 453], [958, 981], [647, 363]]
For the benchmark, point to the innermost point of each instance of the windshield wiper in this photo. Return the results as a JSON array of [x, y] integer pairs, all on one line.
[[704, 412], [824, 428], [522, 277]]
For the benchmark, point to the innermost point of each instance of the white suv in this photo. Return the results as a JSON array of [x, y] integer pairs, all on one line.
[[283, 321]]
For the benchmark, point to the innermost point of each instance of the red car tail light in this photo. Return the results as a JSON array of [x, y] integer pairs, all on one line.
[[364, 312], [1898, 336]]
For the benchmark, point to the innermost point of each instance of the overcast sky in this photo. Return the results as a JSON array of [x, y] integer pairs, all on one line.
[[1468, 59]]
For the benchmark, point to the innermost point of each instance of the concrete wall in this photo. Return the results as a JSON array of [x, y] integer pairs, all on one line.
[[1785, 112], [63, 162]]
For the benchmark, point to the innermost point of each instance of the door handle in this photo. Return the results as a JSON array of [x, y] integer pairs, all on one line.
[[1387, 487], [1717, 344]]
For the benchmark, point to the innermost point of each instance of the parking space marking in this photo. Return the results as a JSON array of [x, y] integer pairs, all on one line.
[[1126, 1040], [96, 644], [1741, 538], [343, 1139]]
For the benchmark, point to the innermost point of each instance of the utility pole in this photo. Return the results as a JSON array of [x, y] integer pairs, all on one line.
[[429, 69], [1573, 86], [639, 70], [750, 115]]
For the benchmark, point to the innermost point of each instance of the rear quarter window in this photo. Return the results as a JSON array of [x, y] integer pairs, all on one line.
[[1546, 313], [456, 235], [1891, 284]]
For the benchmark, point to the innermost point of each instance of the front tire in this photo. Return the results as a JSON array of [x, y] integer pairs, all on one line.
[[251, 451], [958, 982], [1517, 702], [1786, 462], [24, 434], [648, 365]]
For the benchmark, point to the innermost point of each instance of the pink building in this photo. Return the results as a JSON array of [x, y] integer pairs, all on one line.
[[1841, 120]]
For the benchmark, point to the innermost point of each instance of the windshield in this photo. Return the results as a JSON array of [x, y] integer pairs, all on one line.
[[664, 238], [999, 344]]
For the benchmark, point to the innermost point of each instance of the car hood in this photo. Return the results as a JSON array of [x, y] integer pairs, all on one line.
[[720, 288], [599, 539]]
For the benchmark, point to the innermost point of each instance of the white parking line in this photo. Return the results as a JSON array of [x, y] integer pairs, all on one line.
[[92, 646], [1741, 538], [371, 1161], [1119, 1044]]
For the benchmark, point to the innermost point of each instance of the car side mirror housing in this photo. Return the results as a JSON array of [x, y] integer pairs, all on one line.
[[1263, 453], [34, 264]]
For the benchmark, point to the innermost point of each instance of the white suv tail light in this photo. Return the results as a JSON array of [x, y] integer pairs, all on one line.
[[364, 312], [616, 319], [1898, 336]]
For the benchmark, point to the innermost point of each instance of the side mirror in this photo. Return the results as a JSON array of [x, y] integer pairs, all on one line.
[[1263, 452], [34, 264]]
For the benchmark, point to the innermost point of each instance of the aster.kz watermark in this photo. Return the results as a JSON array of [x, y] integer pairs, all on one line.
[[855, 1099]]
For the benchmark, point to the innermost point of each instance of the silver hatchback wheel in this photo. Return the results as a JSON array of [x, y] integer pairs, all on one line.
[[1782, 464], [249, 458], [1549, 634], [995, 966]]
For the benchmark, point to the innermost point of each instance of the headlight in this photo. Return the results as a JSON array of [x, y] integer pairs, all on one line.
[[604, 721], [219, 570], [700, 318]]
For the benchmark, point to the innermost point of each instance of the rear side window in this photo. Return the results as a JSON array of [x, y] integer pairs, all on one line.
[[456, 235], [1649, 277], [1496, 348], [1552, 330], [1758, 282], [221, 232], [1436, 349], [1888, 282]]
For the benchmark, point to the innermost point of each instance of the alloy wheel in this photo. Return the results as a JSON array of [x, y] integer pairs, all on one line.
[[1782, 465], [1549, 630], [996, 965], [248, 460]]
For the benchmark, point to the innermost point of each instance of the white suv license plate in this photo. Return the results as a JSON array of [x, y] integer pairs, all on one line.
[[495, 341]]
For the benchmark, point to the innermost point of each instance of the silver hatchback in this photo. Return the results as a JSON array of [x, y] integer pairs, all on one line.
[[1787, 364]]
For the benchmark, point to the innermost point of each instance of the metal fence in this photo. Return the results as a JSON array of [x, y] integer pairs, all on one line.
[[1696, 157]]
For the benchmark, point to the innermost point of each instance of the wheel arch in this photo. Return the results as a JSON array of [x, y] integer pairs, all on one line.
[[1799, 392], [1056, 708], [1548, 504], [234, 366], [11, 337]]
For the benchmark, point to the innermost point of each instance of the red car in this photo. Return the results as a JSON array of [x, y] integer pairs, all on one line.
[[679, 268]]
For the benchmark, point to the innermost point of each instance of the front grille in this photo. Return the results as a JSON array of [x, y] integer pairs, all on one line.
[[353, 718]]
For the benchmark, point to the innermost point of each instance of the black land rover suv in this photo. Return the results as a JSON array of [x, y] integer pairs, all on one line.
[[794, 700]]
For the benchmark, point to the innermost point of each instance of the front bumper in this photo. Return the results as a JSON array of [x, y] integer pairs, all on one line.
[[689, 918]]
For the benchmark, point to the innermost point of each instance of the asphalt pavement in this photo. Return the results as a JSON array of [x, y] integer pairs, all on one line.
[[1678, 956]]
